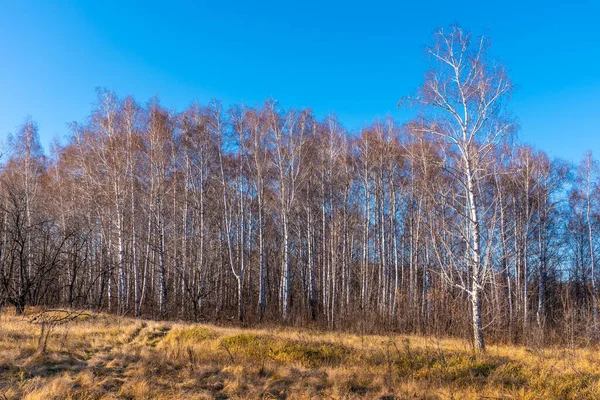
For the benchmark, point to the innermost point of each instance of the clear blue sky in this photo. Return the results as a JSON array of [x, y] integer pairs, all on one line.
[[356, 60]]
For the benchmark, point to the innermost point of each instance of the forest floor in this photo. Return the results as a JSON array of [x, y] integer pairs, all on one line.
[[105, 357]]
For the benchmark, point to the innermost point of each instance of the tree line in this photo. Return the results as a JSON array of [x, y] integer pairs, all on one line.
[[444, 224]]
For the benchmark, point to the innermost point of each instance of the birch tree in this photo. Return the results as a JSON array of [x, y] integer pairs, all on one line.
[[464, 97]]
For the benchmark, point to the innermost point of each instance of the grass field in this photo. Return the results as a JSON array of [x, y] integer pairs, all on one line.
[[105, 357]]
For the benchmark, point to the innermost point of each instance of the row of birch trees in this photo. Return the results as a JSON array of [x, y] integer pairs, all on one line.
[[444, 224]]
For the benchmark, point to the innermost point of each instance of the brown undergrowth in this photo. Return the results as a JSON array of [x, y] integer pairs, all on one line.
[[105, 357]]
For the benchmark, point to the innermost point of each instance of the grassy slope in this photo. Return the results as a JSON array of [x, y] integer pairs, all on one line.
[[109, 357]]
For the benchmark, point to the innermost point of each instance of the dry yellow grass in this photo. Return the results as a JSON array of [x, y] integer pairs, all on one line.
[[106, 357]]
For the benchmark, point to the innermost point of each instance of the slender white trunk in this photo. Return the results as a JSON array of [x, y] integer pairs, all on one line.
[[136, 273], [311, 267], [365, 261], [262, 270], [285, 279], [163, 268], [476, 270]]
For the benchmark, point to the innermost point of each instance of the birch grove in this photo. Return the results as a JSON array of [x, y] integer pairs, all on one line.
[[443, 224]]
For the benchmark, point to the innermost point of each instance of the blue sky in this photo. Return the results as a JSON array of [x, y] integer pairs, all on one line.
[[356, 60]]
